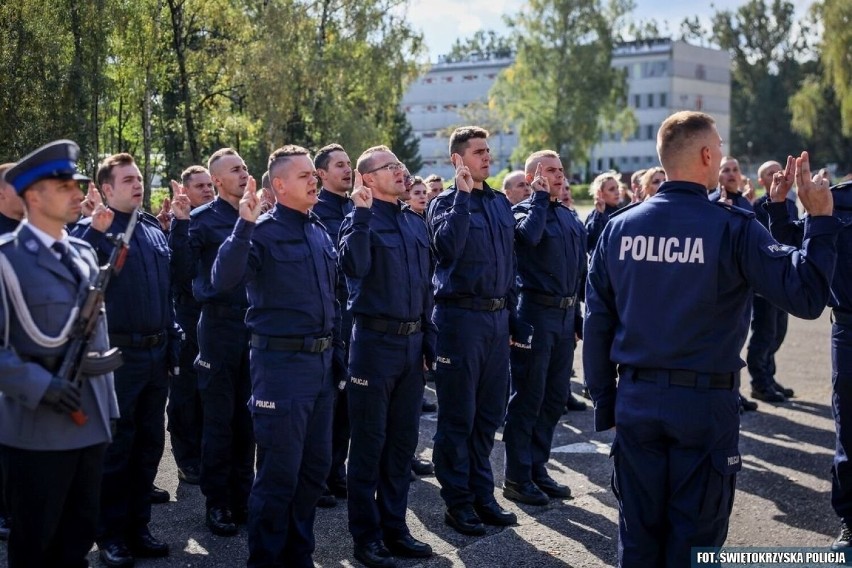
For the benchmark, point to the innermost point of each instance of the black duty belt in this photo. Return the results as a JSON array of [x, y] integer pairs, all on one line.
[[307, 344], [551, 301], [225, 311], [478, 304], [688, 378], [840, 317], [136, 340], [388, 326], [50, 363]]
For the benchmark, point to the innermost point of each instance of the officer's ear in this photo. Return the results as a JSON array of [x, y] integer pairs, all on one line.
[[278, 185], [321, 174], [106, 189]]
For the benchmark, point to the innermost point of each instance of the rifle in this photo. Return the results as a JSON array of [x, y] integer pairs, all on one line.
[[78, 361]]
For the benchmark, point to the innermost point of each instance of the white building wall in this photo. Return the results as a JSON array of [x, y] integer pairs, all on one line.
[[663, 77]]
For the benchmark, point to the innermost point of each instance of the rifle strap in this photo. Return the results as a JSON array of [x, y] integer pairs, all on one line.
[[9, 281]]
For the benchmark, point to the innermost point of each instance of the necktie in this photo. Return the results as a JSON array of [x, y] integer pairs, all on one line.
[[65, 259]]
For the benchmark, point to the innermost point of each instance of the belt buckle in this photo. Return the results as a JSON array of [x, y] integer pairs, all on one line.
[[407, 328], [321, 344], [565, 303], [495, 304]]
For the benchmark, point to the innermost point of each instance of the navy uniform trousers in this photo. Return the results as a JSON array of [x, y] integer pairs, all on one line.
[[541, 377], [768, 329], [141, 387], [184, 409], [472, 383], [687, 436], [291, 408], [841, 395], [227, 444], [385, 395]]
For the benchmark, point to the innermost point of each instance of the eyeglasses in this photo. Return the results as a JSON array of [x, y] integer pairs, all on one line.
[[392, 167]]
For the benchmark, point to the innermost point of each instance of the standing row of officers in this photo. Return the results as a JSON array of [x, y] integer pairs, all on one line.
[[479, 290]]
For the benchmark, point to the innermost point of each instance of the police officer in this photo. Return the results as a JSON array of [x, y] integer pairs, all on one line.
[[384, 253], [290, 267], [52, 466], [768, 323], [791, 232], [516, 186], [550, 246], [605, 191], [141, 323], [333, 204], [729, 191], [184, 409], [676, 352], [11, 211], [227, 442], [472, 232], [11, 214]]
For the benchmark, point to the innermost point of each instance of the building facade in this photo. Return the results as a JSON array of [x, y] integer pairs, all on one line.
[[663, 77]]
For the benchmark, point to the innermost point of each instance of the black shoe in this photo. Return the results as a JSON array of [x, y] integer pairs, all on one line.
[[239, 515], [374, 554], [746, 405], [552, 488], [4, 527], [427, 406], [220, 522], [585, 393], [575, 403], [159, 496], [464, 520], [115, 554], [189, 474], [409, 547], [525, 492], [145, 545], [768, 394], [327, 500], [783, 390], [844, 539], [422, 467], [492, 514], [339, 490]]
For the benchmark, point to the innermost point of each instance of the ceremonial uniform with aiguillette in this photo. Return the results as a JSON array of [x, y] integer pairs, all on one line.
[[51, 465]]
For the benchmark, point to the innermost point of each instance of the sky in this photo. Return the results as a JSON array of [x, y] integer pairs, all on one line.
[[443, 21]]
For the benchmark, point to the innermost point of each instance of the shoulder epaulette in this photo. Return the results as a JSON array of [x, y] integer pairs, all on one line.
[[618, 212], [202, 208], [736, 210], [145, 217]]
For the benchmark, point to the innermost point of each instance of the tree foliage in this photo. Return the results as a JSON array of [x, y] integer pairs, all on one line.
[[481, 45], [170, 81], [561, 89]]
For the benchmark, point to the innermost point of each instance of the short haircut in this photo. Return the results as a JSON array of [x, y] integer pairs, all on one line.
[[636, 177], [418, 179], [649, 175], [433, 177], [678, 131], [264, 181], [281, 156], [105, 168], [462, 135], [218, 154], [760, 171], [191, 171], [324, 155], [365, 160], [511, 175], [536, 157], [598, 182]]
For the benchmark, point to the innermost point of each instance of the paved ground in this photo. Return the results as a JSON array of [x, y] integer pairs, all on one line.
[[782, 499]]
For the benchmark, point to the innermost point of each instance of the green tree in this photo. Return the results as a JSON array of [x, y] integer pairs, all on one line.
[[481, 45], [404, 143], [764, 42], [836, 54], [562, 90]]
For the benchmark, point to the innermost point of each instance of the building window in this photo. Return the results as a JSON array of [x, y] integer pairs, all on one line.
[[470, 77], [650, 100], [450, 106], [649, 132], [663, 99], [635, 160], [637, 101], [447, 78], [432, 134], [428, 80], [700, 72]]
